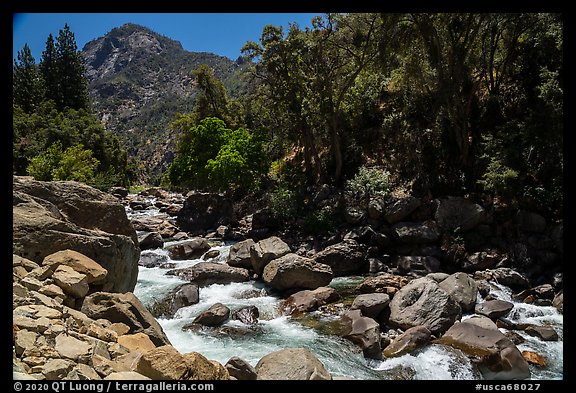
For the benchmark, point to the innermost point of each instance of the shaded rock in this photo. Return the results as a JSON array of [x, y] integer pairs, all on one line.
[[265, 251], [239, 255], [216, 315], [150, 241], [504, 276], [207, 273], [125, 308], [424, 265], [152, 259], [362, 331], [344, 258], [415, 233], [410, 340], [558, 302], [247, 315], [264, 219], [400, 209], [462, 288], [182, 296], [457, 212], [292, 271], [498, 356], [240, 369], [371, 304], [480, 260], [423, 302], [530, 222], [203, 211], [188, 249], [308, 300], [494, 309], [54, 216], [291, 364]]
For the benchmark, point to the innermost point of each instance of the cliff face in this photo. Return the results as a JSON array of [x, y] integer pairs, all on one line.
[[138, 81]]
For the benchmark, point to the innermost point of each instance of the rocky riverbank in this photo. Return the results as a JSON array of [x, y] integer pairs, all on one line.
[[427, 265]]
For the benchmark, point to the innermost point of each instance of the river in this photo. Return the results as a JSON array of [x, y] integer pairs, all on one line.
[[340, 357]]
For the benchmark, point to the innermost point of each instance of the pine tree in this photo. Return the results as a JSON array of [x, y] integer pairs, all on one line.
[[49, 71], [26, 81], [73, 85]]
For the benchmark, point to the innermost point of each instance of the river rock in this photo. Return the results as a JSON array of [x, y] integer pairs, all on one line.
[[293, 271], [204, 211], [188, 249], [266, 250], [152, 259], [215, 315], [344, 258], [407, 342], [95, 273], [247, 315], [239, 255], [417, 264], [308, 300], [423, 302], [462, 288], [558, 302], [240, 369], [371, 304], [54, 216], [494, 309], [505, 276], [163, 363], [182, 296], [498, 356], [362, 331], [544, 333], [291, 364], [208, 273], [400, 208], [457, 212], [415, 233], [72, 283], [382, 283], [125, 308], [150, 241]]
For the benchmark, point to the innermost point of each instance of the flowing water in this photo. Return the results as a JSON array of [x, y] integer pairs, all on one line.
[[340, 357]]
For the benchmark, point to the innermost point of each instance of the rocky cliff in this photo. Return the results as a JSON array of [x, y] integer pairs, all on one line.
[[139, 80]]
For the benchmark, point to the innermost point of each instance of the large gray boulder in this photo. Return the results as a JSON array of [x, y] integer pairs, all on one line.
[[423, 302], [293, 271], [266, 250], [204, 211], [462, 288], [208, 273], [497, 355], [345, 258], [291, 364], [458, 212], [362, 331], [239, 255], [52, 216]]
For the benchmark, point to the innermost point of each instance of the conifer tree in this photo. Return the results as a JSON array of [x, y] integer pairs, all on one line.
[[49, 70], [70, 66], [26, 81]]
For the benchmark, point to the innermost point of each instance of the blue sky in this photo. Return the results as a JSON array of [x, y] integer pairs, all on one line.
[[220, 33]]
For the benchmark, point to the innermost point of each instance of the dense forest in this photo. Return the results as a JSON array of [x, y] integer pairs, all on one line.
[[372, 104]]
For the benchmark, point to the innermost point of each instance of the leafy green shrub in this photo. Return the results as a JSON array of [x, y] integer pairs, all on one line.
[[74, 163], [369, 182], [283, 203], [498, 178], [319, 222]]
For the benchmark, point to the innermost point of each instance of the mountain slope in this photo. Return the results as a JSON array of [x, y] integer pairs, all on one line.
[[139, 80]]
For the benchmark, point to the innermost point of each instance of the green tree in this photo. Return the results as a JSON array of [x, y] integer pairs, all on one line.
[[49, 70], [70, 64], [214, 157], [26, 81], [74, 163]]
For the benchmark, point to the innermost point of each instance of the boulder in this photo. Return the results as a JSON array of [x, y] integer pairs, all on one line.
[[530, 222], [72, 283], [308, 300], [294, 272], [400, 208], [423, 302], [188, 249], [95, 273], [266, 250], [215, 315], [417, 264], [208, 273], [415, 233], [494, 309], [505, 276], [183, 295], [498, 356], [54, 216], [382, 283], [150, 241], [371, 304], [462, 288], [240, 369], [291, 364], [247, 315], [410, 340], [204, 211], [125, 308], [458, 212], [362, 331], [344, 258], [239, 255], [163, 363]]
